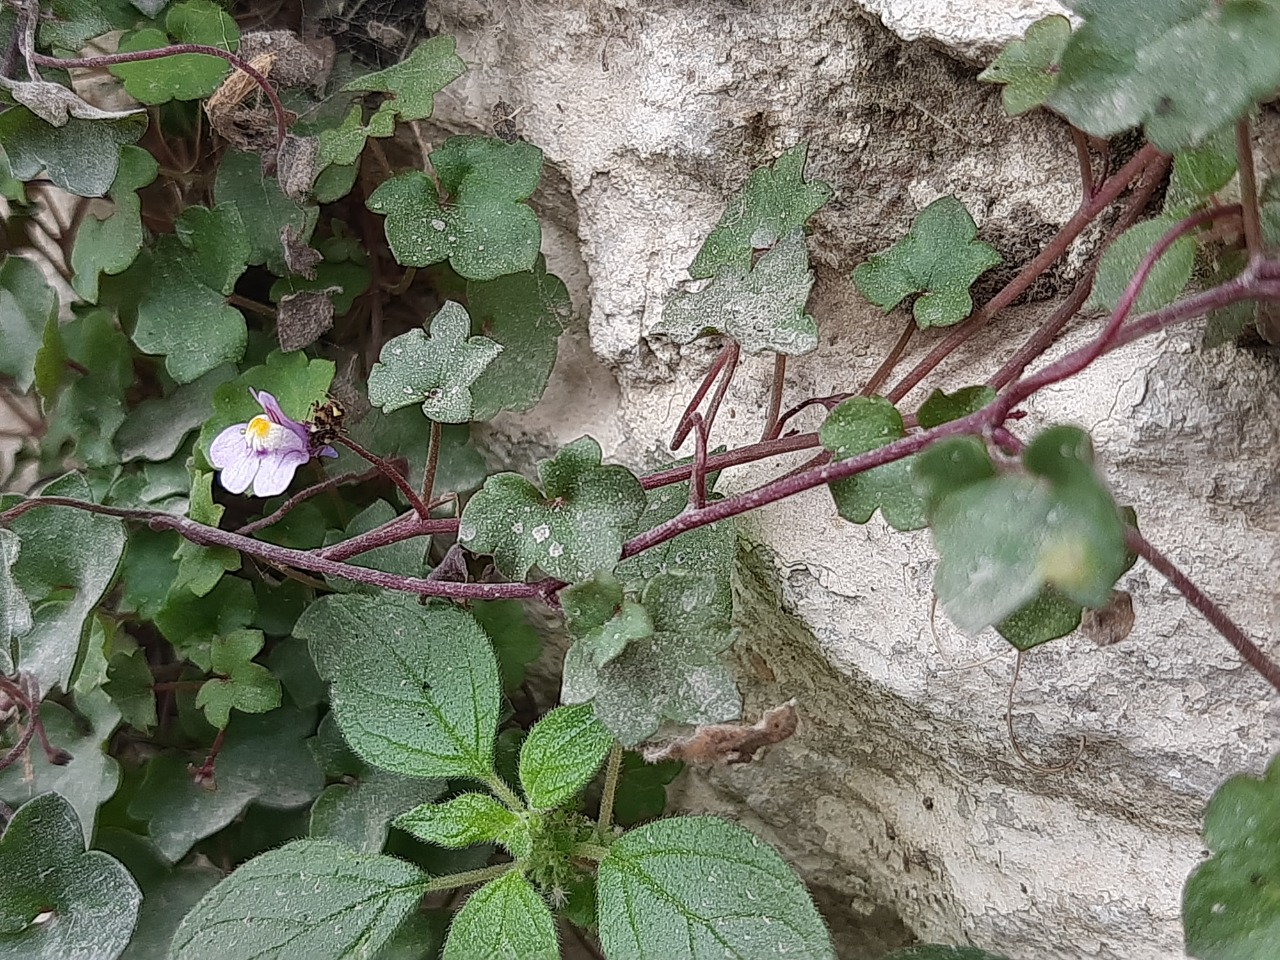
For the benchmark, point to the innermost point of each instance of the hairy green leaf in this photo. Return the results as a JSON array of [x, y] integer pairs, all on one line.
[[81, 156], [696, 888], [436, 370], [57, 901], [600, 618], [359, 810], [466, 820], [190, 623], [308, 900], [674, 674], [414, 689], [91, 407], [1046, 616], [504, 918], [27, 306], [1028, 68], [15, 609], [156, 428], [73, 22], [774, 203], [571, 528], [480, 225], [1134, 62], [1121, 261], [762, 307], [561, 754], [1230, 905], [939, 259], [515, 642], [264, 209], [414, 82]]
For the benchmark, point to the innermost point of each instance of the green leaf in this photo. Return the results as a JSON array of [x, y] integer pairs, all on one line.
[[481, 226], [939, 259], [200, 568], [856, 426], [504, 918], [190, 623], [436, 371], [88, 780], [1200, 172], [414, 688], [1230, 906], [466, 820], [264, 209], [941, 407], [774, 203], [524, 313], [73, 22], [359, 811], [414, 82], [263, 761], [326, 903], [674, 674], [57, 901], [296, 381], [183, 314], [130, 687], [405, 558], [1133, 62], [81, 156], [89, 411], [761, 307], [241, 684], [561, 754], [642, 789], [696, 888], [109, 245], [342, 267], [156, 428], [1047, 616], [15, 610], [27, 305], [68, 560], [342, 145], [601, 620], [1028, 68], [189, 76], [1121, 261], [1002, 538], [951, 464], [573, 529], [515, 642]]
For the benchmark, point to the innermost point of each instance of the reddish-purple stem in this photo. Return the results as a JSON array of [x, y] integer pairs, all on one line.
[[390, 472], [886, 366], [726, 361], [698, 478], [111, 59], [314, 490], [771, 425]]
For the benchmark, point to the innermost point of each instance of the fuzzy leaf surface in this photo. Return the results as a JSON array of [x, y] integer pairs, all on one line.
[[504, 918], [436, 370], [466, 820], [413, 83], [761, 307], [189, 76], [1028, 68], [561, 754], [240, 683], [601, 619], [27, 305], [572, 527], [698, 888], [15, 609], [264, 209], [111, 245], [81, 156], [858, 425], [1121, 261]]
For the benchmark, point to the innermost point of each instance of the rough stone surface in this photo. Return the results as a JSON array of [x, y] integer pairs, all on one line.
[[902, 800]]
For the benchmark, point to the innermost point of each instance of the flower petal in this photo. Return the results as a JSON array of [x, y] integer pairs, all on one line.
[[277, 415], [326, 452], [238, 472], [228, 445], [275, 471]]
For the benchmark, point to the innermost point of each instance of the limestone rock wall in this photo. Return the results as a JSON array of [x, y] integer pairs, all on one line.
[[901, 800]]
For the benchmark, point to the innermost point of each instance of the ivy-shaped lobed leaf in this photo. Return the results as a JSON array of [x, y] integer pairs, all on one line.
[[481, 224], [57, 900], [691, 888], [264, 209], [524, 313], [436, 370], [200, 568], [15, 609], [90, 407], [774, 202], [938, 259], [110, 245], [239, 683], [561, 754], [1028, 68], [414, 689], [1200, 172], [326, 902], [673, 674], [411, 85], [1134, 62], [572, 527], [81, 156], [183, 314], [188, 76], [1001, 538], [761, 307], [601, 619], [858, 425], [941, 407], [1230, 904], [72, 23], [504, 918]]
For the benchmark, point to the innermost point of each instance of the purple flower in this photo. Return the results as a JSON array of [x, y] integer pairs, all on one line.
[[264, 452]]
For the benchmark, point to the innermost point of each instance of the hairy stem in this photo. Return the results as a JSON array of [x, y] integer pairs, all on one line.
[[433, 461], [612, 770], [468, 878], [505, 793]]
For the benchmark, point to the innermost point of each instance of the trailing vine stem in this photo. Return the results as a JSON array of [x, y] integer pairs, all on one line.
[[111, 59]]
